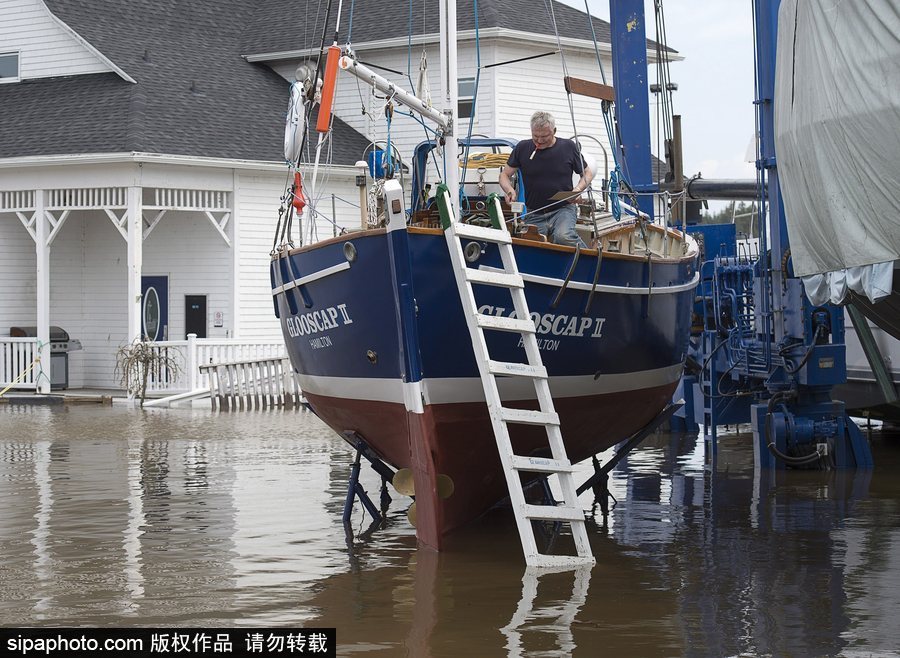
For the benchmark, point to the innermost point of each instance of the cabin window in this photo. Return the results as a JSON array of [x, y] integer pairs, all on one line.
[[465, 97], [9, 67]]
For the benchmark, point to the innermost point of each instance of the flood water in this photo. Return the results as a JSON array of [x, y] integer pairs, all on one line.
[[117, 517]]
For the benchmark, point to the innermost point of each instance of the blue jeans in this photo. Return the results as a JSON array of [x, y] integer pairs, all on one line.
[[558, 225]]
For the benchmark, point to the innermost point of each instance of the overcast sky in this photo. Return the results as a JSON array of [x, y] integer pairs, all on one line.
[[715, 80]]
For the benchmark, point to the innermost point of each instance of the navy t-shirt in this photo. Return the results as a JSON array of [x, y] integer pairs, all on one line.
[[548, 172]]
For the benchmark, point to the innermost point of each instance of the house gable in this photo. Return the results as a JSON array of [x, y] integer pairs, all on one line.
[[47, 47]]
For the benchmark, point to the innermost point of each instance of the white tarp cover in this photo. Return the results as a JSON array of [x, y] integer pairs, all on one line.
[[874, 281], [837, 132]]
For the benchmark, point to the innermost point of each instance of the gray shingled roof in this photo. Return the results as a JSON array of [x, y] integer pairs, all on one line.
[[195, 95], [52, 116], [290, 25]]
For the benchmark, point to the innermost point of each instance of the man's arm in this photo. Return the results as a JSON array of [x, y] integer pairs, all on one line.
[[506, 182], [586, 177]]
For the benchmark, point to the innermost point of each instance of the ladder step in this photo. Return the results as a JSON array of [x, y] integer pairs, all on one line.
[[504, 324], [482, 233], [528, 417], [554, 513], [560, 561], [541, 464], [520, 369], [487, 277]]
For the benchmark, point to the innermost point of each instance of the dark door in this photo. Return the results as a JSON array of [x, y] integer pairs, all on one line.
[[195, 315], [155, 307]]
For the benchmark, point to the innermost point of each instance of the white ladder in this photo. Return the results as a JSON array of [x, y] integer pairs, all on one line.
[[559, 464]]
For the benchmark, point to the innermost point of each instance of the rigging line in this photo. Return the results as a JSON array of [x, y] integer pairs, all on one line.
[[409, 43], [660, 97], [309, 105], [621, 145], [667, 58], [350, 22], [587, 10], [431, 152], [662, 72], [459, 192], [384, 68], [562, 57], [520, 59], [319, 66], [277, 228], [661, 139], [419, 121], [337, 22], [288, 183]]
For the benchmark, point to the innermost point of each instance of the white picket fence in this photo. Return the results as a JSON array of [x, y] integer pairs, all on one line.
[[17, 362], [256, 384], [194, 352]]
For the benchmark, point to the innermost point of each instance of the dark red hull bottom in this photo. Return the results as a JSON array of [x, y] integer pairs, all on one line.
[[457, 440]]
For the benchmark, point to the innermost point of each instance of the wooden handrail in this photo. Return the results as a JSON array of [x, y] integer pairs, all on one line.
[[588, 88]]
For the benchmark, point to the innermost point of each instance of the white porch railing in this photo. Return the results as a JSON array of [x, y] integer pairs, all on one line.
[[194, 352], [258, 384], [17, 357]]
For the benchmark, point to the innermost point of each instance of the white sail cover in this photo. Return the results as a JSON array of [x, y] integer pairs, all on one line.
[[295, 126], [837, 138]]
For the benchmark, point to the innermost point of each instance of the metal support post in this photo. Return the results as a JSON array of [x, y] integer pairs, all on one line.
[[629, 56], [599, 481], [354, 490], [873, 354]]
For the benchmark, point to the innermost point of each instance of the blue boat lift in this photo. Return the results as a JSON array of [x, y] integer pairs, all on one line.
[[764, 354]]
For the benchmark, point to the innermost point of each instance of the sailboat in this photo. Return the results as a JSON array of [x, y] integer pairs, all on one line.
[[403, 333]]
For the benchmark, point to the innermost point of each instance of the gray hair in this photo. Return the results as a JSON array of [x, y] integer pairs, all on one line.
[[540, 118]]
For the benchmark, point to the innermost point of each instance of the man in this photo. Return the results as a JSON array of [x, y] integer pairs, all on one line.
[[546, 164]]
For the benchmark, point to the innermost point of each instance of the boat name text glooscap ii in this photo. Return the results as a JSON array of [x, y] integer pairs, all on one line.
[[312, 323]]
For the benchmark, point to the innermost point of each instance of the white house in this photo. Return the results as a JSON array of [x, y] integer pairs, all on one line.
[[141, 147]]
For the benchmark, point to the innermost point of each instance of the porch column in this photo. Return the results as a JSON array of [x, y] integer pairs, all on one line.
[[42, 253], [135, 261], [236, 272]]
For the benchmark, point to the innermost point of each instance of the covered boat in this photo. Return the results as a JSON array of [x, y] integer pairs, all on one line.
[[837, 108]]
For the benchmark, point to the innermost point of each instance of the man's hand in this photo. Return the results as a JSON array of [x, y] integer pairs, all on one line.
[[506, 183]]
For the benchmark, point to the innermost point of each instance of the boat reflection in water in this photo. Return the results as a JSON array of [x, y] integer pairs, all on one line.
[[694, 558]]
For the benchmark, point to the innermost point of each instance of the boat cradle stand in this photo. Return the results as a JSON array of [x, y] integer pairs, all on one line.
[[599, 481], [355, 488]]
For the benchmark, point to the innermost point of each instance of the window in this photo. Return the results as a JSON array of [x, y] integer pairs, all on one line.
[[9, 67], [465, 97]]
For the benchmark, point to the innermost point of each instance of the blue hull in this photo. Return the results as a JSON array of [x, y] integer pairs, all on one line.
[[382, 347]]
